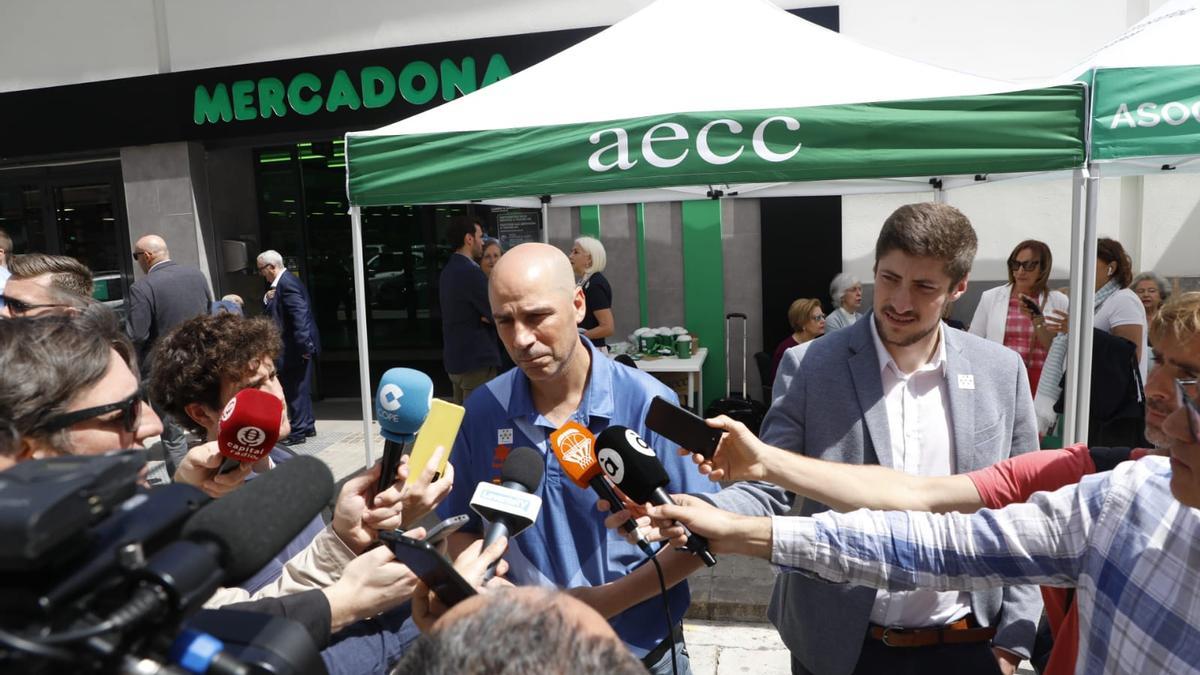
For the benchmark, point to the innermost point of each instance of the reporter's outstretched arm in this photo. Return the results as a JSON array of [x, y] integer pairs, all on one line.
[[413, 501]]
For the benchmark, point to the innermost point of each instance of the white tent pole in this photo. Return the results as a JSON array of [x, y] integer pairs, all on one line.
[[1076, 293], [1086, 317], [545, 221], [360, 315]]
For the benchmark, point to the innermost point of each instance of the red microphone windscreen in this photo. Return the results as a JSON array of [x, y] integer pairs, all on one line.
[[249, 425]]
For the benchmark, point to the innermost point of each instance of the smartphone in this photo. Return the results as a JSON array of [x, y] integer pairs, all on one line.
[[682, 427], [440, 428], [445, 528], [1031, 306], [430, 566]]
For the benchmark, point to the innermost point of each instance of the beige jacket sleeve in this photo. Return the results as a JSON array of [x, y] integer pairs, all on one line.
[[319, 565]]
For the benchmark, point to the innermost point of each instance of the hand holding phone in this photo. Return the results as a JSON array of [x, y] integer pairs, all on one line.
[[1031, 306], [682, 427], [439, 430], [430, 566]]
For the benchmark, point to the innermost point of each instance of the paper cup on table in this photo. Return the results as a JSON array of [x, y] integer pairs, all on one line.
[[683, 346]]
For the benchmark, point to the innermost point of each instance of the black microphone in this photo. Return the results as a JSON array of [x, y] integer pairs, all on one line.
[[229, 540], [511, 506], [633, 467]]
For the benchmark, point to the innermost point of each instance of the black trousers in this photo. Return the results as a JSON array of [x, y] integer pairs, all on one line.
[[878, 659]]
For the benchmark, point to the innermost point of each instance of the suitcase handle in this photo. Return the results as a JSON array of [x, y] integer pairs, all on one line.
[[735, 315]]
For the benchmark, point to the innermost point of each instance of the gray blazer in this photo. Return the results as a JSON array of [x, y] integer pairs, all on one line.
[[828, 403], [166, 297]]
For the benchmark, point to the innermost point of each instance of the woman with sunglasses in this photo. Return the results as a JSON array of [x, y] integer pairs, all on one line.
[[1013, 314]]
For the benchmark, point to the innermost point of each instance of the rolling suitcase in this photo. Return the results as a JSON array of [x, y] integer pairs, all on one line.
[[737, 404]]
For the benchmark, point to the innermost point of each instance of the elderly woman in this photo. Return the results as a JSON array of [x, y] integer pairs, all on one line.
[[1153, 291], [846, 293], [808, 322], [1004, 313], [588, 260]]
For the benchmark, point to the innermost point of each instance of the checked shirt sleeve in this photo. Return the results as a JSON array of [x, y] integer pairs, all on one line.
[[1041, 542]]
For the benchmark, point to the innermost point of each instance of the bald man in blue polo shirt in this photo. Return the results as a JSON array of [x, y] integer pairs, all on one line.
[[560, 377]]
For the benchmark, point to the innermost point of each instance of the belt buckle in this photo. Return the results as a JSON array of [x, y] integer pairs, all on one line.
[[884, 638]]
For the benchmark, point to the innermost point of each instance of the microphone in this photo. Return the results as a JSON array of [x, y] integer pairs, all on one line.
[[574, 446], [511, 506], [401, 406], [632, 465], [249, 428], [229, 540]]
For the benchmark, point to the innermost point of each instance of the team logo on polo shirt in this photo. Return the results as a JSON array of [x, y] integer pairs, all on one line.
[[504, 436]]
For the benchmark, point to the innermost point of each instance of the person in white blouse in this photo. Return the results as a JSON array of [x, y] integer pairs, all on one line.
[[1006, 314], [846, 293]]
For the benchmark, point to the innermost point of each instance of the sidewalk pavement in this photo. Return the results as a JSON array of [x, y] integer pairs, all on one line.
[[726, 627]]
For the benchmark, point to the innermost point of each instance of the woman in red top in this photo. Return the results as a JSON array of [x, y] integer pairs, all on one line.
[[807, 320]]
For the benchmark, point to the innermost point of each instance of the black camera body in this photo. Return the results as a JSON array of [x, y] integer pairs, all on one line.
[[98, 575]]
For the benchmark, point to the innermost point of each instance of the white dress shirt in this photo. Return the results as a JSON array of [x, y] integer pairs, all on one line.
[[918, 413]]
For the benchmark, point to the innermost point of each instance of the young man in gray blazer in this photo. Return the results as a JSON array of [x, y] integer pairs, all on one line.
[[900, 390]]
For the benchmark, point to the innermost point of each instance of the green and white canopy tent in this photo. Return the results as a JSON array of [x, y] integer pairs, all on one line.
[[1144, 118], [696, 99]]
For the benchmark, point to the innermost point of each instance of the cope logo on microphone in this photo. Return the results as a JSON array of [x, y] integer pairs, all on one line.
[[251, 436], [389, 397], [636, 442], [228, 411], [576, 445]]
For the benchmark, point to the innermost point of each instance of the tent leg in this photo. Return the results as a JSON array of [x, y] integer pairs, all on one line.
[[545, 222], [1070, 396], [360, 315], [1086, 318]]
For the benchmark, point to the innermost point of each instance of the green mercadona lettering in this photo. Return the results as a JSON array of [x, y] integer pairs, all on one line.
[[418, 83]]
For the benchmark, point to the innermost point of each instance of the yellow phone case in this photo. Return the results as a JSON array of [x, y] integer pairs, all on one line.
[[440, 428]]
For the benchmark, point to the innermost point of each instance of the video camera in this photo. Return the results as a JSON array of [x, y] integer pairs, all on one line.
[[97, 575]]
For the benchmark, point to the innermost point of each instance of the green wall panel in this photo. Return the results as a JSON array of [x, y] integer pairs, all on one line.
[[704, 288], [589, 221]]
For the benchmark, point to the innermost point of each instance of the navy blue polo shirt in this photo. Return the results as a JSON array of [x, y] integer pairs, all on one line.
[[569, 546], [467, 343]]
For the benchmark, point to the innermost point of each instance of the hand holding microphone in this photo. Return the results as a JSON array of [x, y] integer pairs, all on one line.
[[575, 447], [636, 470], [401, 405]]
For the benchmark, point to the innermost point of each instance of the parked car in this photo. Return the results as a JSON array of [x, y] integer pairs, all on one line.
[[109, 288]]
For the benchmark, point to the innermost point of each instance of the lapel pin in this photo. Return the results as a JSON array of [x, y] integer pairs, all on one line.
[[966, 381]]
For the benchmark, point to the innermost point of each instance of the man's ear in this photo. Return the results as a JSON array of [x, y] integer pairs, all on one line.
[[31, 447], [201, 414], [580, 304], [958, 289]]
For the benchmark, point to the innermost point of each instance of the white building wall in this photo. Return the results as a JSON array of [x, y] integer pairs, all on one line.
[[54, 42]]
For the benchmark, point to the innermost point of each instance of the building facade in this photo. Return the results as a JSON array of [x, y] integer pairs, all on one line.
[[219, 126]]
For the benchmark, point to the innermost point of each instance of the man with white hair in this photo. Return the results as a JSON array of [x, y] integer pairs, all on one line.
[[846, 293], [287, 303]]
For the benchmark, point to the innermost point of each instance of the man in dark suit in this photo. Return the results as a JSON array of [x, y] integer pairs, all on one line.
[[165, 297], [287, 304]]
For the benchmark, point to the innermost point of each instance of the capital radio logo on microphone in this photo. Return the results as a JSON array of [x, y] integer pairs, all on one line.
[[251, 436], [228, 411]]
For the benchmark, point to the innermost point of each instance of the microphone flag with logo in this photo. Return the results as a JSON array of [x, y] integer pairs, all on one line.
[[401, 405], [574, 446], [511, 506], [249, 427], [634, 467]]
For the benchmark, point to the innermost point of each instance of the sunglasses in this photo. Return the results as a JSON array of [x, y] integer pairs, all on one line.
[[130, 407], [1028, 265], [1189, 392], [19, 307]]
